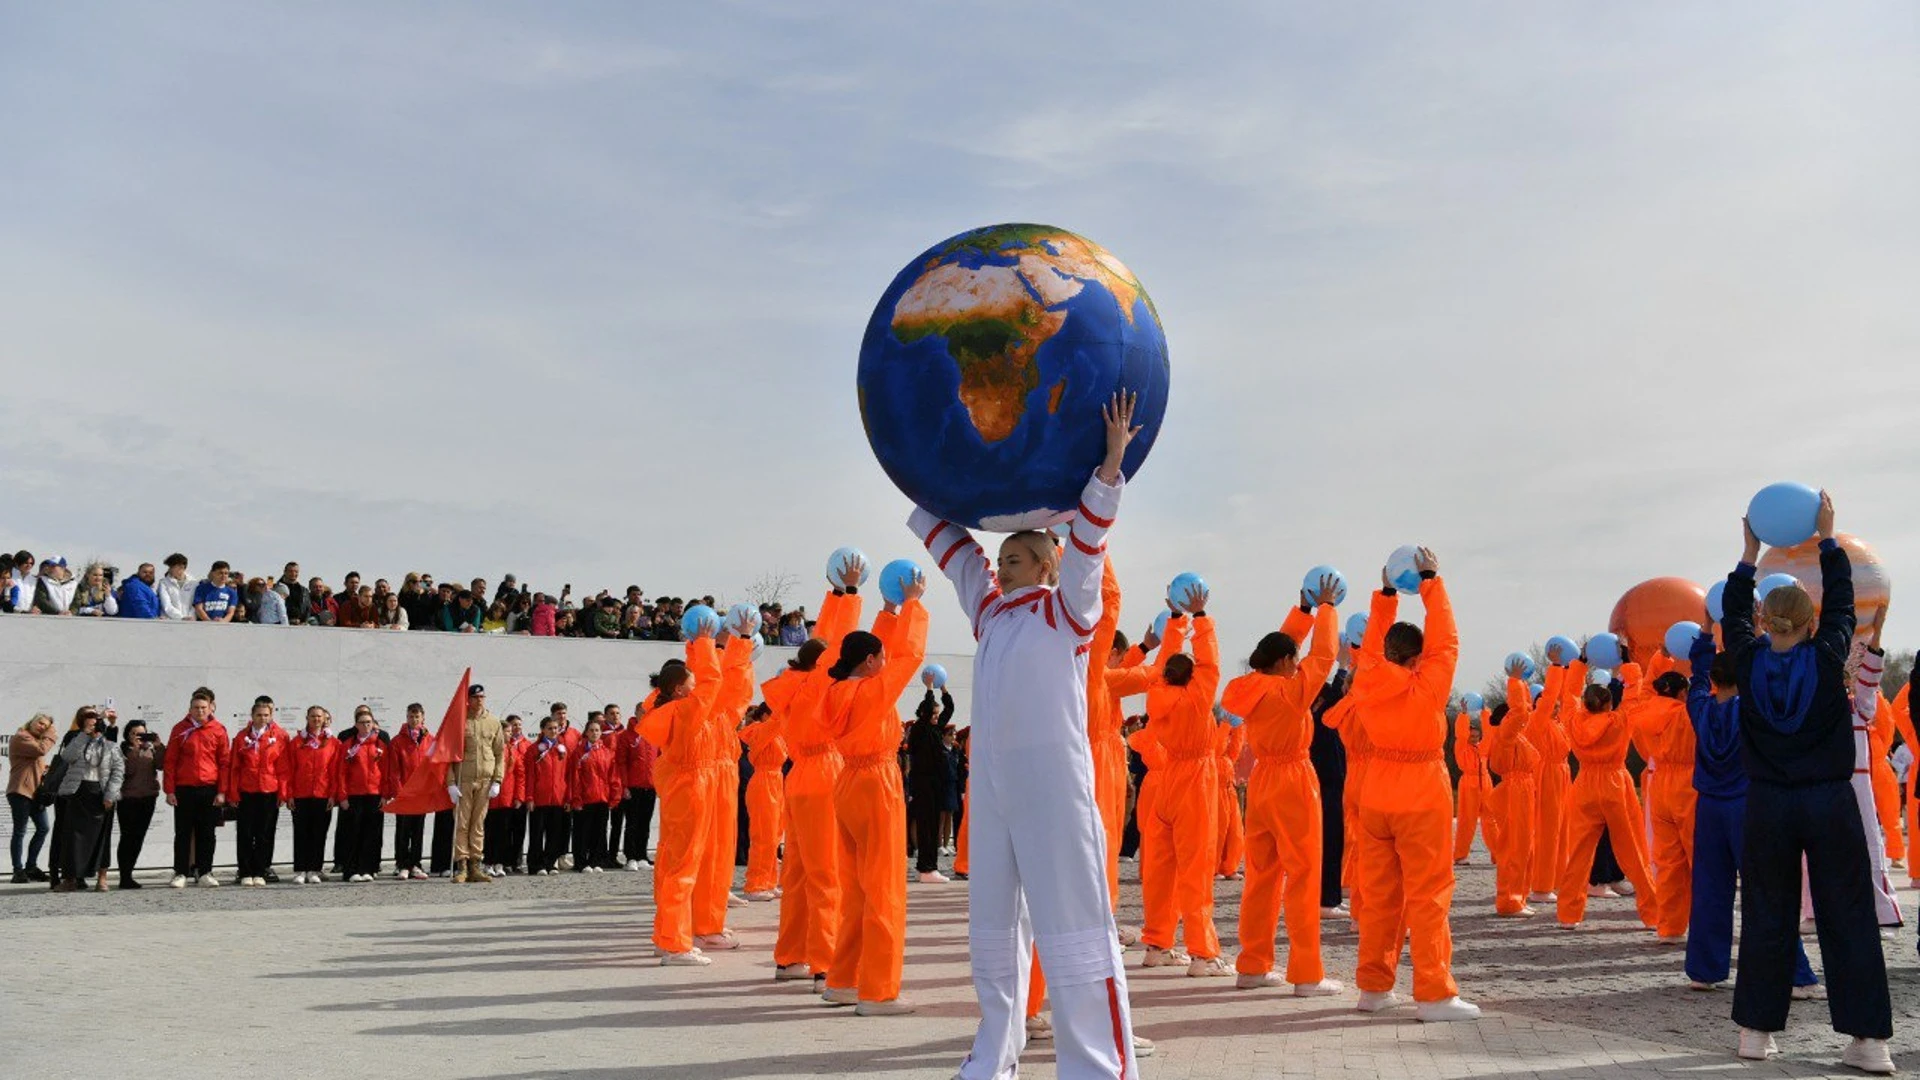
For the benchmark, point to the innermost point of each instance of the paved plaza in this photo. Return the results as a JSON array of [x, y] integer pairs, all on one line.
[[554, 978]]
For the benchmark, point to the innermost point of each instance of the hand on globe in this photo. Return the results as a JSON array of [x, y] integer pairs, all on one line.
[[910, 590], [1517, 670], [1118, 413], [1426, 561], [853, 572], [1329, 588], [1195, 599]]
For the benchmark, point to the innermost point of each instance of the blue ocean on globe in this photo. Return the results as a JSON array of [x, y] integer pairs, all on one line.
[[985, 366]]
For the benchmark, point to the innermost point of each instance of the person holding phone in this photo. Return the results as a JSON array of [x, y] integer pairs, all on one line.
[[145, 757], [87, 794]]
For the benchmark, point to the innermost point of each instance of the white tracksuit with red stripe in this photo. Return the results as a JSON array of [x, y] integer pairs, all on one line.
[[1866, 704], [1036, 845]]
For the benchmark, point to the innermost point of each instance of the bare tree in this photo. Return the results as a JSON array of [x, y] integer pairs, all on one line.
[[772, 587]]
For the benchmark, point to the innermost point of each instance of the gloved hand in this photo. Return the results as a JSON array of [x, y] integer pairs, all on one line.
[[453, 792], [493, 791]]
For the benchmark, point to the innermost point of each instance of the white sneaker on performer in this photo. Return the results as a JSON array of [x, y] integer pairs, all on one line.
[[1671, 939], [841, 995], [1373, 1001], [1868, 1055], [1816, 992], [418, 875], [300, 877], [1208, 968], [1129, 936], [1601, 892], [762, 897], [790, 972], [1323, 988], [1523, 913], [1039, 1028], [208, 881], [685, 959], [1621, 888], [1757, 1045], [179, 882], [734, 899], [718, 942], [889, 1007], [1157, 957], [934, 877], [1258, 982], [1543, 898], [1339, 912], [1440, 1012], [1142, 1046], [1696, 984]]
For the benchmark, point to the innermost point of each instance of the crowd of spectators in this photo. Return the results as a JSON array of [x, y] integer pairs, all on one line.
[[225, 595]]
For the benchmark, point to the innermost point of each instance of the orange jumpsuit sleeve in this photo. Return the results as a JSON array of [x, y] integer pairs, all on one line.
[[1440, 655], [1125, 682], [1325, 647], [1109, 624], [1519, 703], [1297, 624], [1206, 658], [1177, 629], [904, 633], [1903, 718], [1386, 606], [839, 616]]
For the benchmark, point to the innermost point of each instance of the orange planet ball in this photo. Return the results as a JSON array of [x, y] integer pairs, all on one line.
[[1648, 610], [1872, 588]]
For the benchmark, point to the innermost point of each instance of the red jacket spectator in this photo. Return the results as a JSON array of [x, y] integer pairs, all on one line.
[[513, 786], [635, 756], [361, 768], [544, 771], [593, 779], [256, 763], [407, 750], [200, 761], [309, 773], [545, 617]]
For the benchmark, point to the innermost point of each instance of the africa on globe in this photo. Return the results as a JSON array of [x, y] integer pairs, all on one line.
[[986, 363]]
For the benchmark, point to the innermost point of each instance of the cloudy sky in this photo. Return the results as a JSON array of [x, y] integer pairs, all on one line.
[[576, 291]]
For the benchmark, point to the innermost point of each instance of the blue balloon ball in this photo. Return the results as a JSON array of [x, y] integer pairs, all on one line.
[[1471, 704], [1783, 514], [937, 674], [1603, 651], [1536, 689], [743, 620], [698, 619], [894, 579], [1160, 623], [1178, 589], [1311, 583], [1356, 631], [1401, 571], [1527, 670], [1770, 583], [1680, 638], [1716, 601], [1569, 652], [840, 562]]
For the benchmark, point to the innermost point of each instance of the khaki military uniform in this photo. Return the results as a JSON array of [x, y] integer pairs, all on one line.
[[482, 764]]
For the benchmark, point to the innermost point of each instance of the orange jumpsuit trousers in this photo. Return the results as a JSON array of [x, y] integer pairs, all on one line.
[[1473, 803], [1233, 828], [766, 804], [678, 728], [1546, 730], [1886, 784], [1603, 799], [721, 796]]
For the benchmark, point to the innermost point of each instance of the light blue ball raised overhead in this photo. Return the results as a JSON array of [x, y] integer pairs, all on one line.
[[935, 675], [698, 620], [1311, 583], [1356, 630], [743, 620], [894, 579], [1177, 590], [1527, 669], [1536, 689], [1472, 703], [1160, 624], [840, 562], [1401, 571], [1717, 601], [1569, 652], [1783, 514], [1603, 650], [1771, 582], [1680, 639]]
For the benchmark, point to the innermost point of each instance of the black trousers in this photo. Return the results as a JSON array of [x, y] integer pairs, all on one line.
[[310, 820], [85, 814], [589, 836], [1821, 822], [1606, 868], [1333, 828], [516, 850], [546, 837], [258, 816], [568, 824], [1129, 833], [925, 811], [341, 839], [194, 820], [639, 809], [361, 820], [496, 847], [616, 818], [408, 831], [136, 817], [442, 856]]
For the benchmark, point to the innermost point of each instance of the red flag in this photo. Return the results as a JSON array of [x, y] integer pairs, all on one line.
[[426, 790]]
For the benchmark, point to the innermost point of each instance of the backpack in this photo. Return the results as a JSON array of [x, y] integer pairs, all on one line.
[[50, 782]]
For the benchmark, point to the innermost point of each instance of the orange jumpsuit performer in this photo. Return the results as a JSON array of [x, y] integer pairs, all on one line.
[[1283, 801], [1665, 730], [679, 721], [1160, 919], [810, 873], [1903, 719], [1512, 755], [1886, 785], [1037, 844], [1473, 801], [766, 802], [1230, 741], [1602, 798], [1403, 868], [720, 754], [1548, 733], [862, 715]]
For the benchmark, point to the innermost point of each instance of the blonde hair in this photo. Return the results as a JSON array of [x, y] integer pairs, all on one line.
[[1045, 551], [1786, 609], [36, 719]]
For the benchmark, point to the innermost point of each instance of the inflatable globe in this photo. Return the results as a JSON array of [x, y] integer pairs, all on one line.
[[1647, 611], [1872, 588], [986, 364]]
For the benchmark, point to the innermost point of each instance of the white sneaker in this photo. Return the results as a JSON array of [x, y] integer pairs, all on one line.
[[1208, 968], [1129, 936], [543, 873], [790, 972], [645, 865], [1757, 1045], [300, 877], [1816, 992], [1323, 988], [734, 899], [889, 1007], [719, 942], [841, 995], [565, 863], [257, 882], [179, 882], [1622, 888], [208, 881], [1258, 982], [762, 897], [418, 874], [1039, 1028], [633, 865], [1600, 892], [934, 877], [1868, 1055], [402, 875], [1525, 912], [684, 959], [1671, 939], [1157, 957], [1440, 1012], [1142, 1046], [1543, 898], [1340, 912], [1704, 987], [1373, 1001]]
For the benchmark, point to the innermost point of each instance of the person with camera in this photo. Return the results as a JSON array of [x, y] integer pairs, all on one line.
[[27, 761], [145, 756], [89, 788]]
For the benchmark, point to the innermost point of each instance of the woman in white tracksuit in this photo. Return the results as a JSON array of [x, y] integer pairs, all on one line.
[[1037, 848]]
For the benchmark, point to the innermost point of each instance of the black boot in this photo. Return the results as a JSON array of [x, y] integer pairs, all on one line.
[[127, 882]]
